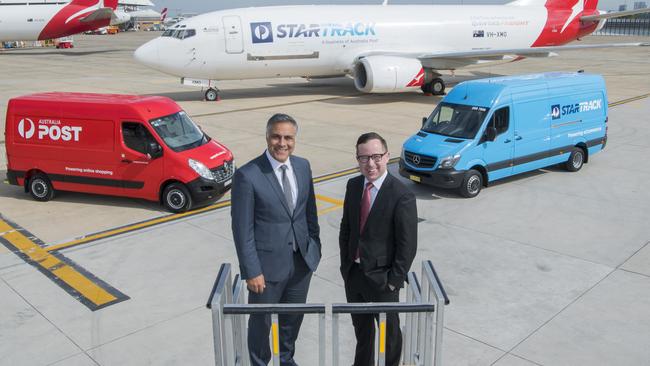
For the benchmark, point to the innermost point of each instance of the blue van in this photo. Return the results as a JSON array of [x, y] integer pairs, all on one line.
[[489, 129]]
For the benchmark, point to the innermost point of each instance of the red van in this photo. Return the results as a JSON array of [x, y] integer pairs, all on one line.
[[121, 145]]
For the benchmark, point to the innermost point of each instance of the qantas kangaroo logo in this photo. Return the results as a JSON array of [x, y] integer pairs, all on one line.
[[26, 133], [90, 9]]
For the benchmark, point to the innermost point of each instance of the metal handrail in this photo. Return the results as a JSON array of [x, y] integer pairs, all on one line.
[[229, 313]]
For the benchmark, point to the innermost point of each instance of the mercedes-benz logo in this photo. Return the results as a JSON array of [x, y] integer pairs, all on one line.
[[416, 159]]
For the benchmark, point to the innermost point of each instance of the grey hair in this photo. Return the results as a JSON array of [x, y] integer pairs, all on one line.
[[279, 118]]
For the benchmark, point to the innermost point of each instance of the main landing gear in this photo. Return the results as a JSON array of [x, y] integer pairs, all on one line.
[[436, 87]]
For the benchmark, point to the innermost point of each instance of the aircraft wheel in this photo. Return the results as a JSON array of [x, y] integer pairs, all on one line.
[[437, 86], [211, 95], [41, 188]]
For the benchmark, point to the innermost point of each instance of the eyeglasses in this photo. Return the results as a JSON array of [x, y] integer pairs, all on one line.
[[364, 159]]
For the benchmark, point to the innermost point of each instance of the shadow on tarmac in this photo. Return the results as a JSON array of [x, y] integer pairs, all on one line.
[[341, 90], [62, 52]]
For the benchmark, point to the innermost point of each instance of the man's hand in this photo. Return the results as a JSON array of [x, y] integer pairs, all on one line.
[[256, 284]]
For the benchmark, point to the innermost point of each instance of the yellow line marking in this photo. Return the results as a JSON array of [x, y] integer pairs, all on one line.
[[276, 342], [59, 269], [141, 225], [329, 199], [628, 100], [382, 337]]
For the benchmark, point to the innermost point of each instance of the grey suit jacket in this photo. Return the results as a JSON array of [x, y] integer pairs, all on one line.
[[262, 227]]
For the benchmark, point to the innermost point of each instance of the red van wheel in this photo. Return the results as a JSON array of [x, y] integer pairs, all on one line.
[[40, 188], [176, 198]]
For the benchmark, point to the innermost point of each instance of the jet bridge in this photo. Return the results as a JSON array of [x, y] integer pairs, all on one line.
[[422, 329]]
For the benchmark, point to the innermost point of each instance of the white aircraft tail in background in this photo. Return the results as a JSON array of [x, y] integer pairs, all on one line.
[[384, 47]]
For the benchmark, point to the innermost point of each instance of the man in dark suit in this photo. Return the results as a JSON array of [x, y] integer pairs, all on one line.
[[276, 234], [378, 241]]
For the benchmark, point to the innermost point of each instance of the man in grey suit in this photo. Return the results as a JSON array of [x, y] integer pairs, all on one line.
[[276, 233]]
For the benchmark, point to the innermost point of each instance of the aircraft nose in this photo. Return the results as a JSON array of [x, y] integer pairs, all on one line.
[[147, 54]]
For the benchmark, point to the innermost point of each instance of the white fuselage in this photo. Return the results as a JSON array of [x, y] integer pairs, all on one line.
[[25, 22], [327, 40]]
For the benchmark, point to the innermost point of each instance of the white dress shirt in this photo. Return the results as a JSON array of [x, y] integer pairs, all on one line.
[[376, 186], [290, 174]]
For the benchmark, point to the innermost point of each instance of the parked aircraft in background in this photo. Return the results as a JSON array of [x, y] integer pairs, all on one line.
[[32, 20], [385, 48]]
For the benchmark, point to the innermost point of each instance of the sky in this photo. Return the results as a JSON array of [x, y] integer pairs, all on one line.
[[204, 6]]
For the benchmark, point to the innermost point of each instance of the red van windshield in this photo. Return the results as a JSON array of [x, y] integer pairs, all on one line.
[[179, 132]]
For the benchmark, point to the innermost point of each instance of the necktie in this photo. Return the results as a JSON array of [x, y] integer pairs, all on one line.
[[286, 187], [365, 207], [363, 216]]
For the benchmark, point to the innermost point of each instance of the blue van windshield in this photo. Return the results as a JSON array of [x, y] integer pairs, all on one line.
[[455, 120], [179, 132]]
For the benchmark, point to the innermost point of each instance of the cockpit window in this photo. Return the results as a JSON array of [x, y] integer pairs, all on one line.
[[179, 33]]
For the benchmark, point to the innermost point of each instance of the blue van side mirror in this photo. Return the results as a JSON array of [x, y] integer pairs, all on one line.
[[424, 120]]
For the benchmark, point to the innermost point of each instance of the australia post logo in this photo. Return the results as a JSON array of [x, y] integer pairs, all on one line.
[[51, 129], [558, 110]]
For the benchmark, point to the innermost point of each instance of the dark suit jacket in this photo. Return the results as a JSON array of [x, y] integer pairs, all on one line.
[[262, 226], [389, 241]]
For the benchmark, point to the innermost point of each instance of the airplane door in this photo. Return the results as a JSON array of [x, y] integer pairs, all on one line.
[[233, 31]]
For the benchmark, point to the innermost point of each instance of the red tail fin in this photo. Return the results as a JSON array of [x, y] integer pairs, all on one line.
[[589, 5], [163, 15], [102, 4]]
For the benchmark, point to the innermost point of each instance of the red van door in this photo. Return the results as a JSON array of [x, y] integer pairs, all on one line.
[[141, 173]]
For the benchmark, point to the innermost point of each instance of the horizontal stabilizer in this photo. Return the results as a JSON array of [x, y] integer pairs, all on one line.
[[617, 14], [99, 14]]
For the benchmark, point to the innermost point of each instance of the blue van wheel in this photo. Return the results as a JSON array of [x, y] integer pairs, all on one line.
[[576, 160], [472, 184]]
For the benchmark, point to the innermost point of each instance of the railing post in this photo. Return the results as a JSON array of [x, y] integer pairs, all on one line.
[[275, 339], [382, 340], [321, 339], [335, 339]]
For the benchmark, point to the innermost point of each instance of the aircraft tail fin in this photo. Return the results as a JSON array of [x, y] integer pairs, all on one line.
[[163, 15], [93, 3], [589, 5]]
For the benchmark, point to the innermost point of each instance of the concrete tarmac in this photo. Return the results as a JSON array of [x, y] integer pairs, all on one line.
[[548, 268]]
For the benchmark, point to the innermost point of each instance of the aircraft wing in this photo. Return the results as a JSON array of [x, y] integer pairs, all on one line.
[[617, 14], [452, 60], [99, 14]]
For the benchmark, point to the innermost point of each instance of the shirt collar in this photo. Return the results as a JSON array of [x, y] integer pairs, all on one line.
[[276, 164], [378, 182]]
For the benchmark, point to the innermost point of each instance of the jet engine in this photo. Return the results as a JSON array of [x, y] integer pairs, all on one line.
[[387, 74]]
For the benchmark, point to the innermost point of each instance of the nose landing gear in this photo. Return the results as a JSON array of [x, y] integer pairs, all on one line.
[[212, 95]]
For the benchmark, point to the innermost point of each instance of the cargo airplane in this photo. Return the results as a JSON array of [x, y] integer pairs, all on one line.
[[385, 48], [33, 20]]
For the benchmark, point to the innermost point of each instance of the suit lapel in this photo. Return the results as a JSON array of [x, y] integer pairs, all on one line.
[[302, 181], [267, 171], [355, 207]]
